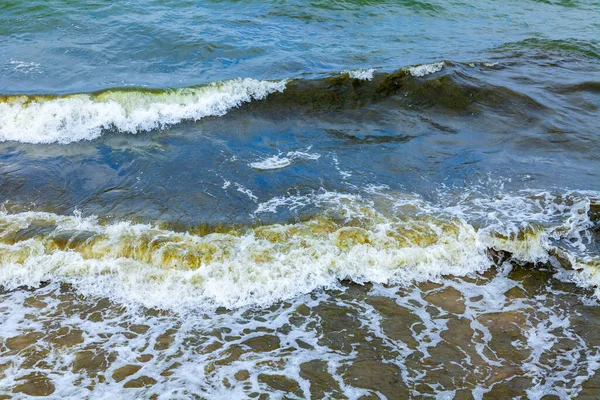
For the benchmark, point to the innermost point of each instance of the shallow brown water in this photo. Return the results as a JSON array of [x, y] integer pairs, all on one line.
[[513, 331]]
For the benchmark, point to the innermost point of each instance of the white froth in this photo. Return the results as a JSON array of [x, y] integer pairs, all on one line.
[[282, 161], [163, 268], [246, 191], [426, 69], [25, 67], [275, 162], [361, 74], [83, 117]]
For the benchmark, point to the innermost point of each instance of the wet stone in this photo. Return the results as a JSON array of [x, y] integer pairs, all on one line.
[[536, 283], [505, 328], [303, 310], [169, 370], [303, 345], [94, 313], [140, 382], [397, 320], [378, 376], [448, 299], [533, 279], [18, 343], [463, 394], [242, 375], [369, 397], [34, 357], [427, 286], [35, 384], [233, 353], [214, 346], [280, 382], [515, 293], [145, 358], [35, 303], [92, 361], [165, 340], [335, 318], [590, 388], [4, 367], [125, 371], [263, 343], [139, 329], [321, 382], [514, 388], [66, 337]]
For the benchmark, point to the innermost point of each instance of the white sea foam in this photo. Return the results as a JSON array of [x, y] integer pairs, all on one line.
[[163, 268], [73, 118], [361, 74], [25, 67], [426, 69], [282, 161], [246, 191]]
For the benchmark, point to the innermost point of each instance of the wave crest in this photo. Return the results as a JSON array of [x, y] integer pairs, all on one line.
[[263, 264], [71, 118]]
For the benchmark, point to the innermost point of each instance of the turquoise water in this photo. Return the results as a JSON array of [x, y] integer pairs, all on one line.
[[328, 199], [74, 47]]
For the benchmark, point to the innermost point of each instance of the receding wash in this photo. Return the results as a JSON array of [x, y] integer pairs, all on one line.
[[354, 199]]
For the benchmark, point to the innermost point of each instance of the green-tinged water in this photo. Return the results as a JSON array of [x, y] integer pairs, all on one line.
[[327, 199]]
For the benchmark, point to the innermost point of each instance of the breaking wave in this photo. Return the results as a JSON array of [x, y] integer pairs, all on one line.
[[353, 239], [71, 118]]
